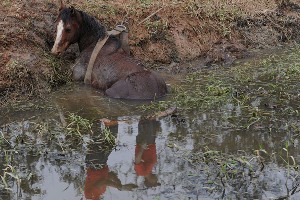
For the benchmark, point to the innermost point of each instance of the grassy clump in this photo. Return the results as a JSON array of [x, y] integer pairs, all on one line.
[[59, 74], [108, 140], [78, 126], [46, 138], [194, 93]]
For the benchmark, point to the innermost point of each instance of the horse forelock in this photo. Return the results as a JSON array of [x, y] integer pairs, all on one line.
[[65, 14]]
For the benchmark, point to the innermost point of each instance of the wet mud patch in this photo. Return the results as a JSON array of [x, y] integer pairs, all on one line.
[[270, 27]]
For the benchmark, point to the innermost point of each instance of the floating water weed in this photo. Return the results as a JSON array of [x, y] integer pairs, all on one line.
[[202, 95], [2, 139], [109, 138], [78, 125], [287, 158], [9, 171]]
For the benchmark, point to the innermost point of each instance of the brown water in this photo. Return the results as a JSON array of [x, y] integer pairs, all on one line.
[[49, 170]]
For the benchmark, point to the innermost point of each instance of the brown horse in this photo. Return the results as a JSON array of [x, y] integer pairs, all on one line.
[[114, 70]]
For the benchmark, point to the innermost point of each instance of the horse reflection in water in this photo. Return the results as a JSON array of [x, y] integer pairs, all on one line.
[[99, 176], [114, 71], [145, 152]]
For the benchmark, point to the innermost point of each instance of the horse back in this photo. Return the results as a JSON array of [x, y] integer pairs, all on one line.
[[139, 85], [112, 64]]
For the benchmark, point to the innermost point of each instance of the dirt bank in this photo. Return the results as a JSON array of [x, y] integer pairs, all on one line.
[[161, 32]]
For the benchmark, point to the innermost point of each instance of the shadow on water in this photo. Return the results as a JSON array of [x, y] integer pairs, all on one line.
[[233, 150]]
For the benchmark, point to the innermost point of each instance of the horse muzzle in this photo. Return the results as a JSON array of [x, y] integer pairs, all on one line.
[[59, 49], [55, 52]]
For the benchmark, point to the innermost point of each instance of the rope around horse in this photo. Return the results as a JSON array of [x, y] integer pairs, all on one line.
[[101, 42]]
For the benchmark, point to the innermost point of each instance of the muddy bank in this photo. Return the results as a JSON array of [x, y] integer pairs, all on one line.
[[162, 34]]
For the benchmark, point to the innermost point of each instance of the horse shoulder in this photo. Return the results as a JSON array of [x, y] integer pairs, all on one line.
[[80, 66]]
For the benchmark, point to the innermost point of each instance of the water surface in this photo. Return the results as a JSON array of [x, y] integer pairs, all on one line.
[[209, 153]]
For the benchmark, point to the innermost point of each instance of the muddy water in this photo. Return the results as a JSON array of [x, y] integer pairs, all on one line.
[[196, 154]]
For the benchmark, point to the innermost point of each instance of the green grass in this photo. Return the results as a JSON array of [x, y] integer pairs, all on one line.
[[59, 75], [108, 139], [240, 169]]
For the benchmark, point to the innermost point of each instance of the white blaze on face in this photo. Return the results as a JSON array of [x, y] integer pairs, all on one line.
[[60, 28]]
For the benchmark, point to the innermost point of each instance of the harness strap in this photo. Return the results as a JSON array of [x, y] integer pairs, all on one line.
[[101, 42]]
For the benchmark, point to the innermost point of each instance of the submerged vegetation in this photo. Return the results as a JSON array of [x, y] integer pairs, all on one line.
[[109, 140], [244, 172]]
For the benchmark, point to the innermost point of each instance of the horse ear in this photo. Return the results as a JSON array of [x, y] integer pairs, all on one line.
[[72, 10], [62, 5]]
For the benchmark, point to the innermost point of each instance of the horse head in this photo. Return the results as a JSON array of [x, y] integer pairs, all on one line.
[[67, 32]]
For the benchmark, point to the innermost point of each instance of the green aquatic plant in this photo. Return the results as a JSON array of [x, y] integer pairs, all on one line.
[[288, 157], [109, 138], [78, 125], [2, 139], [9, 171], [145, 3]]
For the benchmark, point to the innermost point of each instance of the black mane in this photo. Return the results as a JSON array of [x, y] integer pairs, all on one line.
[[90, 24]]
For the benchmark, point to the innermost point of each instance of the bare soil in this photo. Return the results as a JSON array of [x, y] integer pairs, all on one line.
[[167, 34]]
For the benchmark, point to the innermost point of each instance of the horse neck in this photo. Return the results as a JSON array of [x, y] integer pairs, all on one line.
[[90, 31]]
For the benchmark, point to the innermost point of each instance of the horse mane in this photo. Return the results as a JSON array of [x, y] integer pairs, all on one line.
[[90, 24]]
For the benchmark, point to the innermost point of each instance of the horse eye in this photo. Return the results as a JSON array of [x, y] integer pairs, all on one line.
[[68, 30]]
